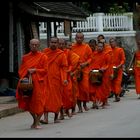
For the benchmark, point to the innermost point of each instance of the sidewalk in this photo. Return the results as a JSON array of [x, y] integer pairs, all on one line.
[[8, 106]]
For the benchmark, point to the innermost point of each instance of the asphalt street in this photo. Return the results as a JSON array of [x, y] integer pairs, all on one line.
[[118, 120]]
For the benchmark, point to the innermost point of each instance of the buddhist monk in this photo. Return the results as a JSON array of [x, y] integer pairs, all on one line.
[[136, 66], [34, 63], [100, 63], [93, 45], [66, 89], [56, 77], [73, 61], [84, 51], [109, 71], [118, 60]]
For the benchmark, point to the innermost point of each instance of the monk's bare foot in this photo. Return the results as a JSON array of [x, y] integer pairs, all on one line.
[[80, 111], [73, 113], [69, 115], [86, 108], [36, 127]]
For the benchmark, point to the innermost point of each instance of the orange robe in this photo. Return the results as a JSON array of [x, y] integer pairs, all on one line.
[[84, 51], [118, 59], [57, 65], [109, 71], [73, 62], [67, 97], [36, 102], [137, 71], [99, 60]]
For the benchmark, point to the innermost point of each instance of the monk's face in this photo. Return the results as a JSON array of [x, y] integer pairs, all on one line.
[[53, 43], [79, 38], [112, 43], [100, 47], [34, 45], [69, 45], [62, 44]]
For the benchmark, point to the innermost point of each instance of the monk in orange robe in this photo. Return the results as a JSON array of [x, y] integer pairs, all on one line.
[[118, 60], [100, 62], [93, 45], [136, 66], [34, 63], [73, 61], [109, 71], [84, 51], [67, 98], [56, 77]]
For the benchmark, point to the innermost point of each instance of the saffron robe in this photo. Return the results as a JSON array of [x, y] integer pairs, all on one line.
[[85, 52], [137, 71], [109, 71], [117, 59], [35, 103], [100, 60], [73, 62], [57, 65]]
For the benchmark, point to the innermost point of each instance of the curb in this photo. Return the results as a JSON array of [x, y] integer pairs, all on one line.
[[9, 109], [8, 112]]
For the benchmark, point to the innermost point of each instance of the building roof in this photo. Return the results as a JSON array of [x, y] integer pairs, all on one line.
[[58, 10]]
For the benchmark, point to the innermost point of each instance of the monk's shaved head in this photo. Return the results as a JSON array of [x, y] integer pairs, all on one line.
[[79, 37], [34, 44], [34, 40]]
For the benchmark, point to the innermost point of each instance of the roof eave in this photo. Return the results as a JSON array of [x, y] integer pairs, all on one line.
[[58, 16], [37, 12]]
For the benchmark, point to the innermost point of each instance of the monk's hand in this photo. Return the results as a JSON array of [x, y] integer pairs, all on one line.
[[83, 65], [65, 82], [31, 70]]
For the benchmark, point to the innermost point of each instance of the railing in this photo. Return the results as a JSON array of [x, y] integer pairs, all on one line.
[[98, 22]]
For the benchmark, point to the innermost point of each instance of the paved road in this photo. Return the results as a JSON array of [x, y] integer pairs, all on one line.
[[119, 120]]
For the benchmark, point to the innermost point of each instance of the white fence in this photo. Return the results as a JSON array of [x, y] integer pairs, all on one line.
[[99, 23]]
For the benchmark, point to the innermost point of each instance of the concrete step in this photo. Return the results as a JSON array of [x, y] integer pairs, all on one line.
[[7, 99], [9, 109], [8, 106]]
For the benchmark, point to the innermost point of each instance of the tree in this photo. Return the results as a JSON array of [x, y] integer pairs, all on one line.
[[107, 6]]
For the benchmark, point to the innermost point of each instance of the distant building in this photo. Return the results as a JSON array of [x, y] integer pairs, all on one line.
[[21, 23]]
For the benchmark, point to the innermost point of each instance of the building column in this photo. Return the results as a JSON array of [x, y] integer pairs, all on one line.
[[11, 48]]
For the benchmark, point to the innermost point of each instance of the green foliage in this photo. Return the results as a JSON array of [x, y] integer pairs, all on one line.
[[115, 8], [84, 5]]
